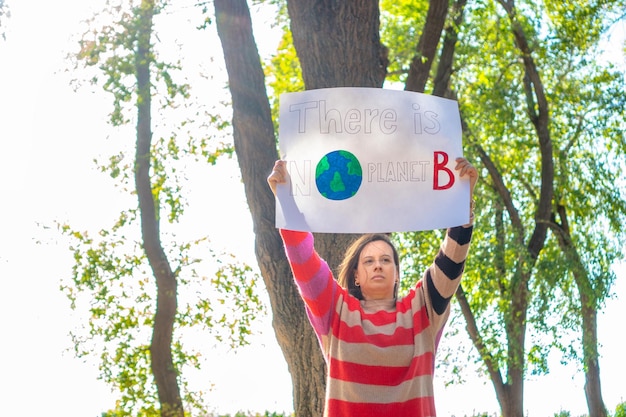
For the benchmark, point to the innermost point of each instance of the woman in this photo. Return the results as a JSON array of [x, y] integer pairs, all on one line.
[[380, 349]]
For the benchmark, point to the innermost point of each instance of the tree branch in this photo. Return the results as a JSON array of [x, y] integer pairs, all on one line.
[[427, 46]]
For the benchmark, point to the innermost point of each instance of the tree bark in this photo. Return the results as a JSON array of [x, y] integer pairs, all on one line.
[[441, 86], [163, 369], [338, 43], [427, 46], [539, 113], [255, 147]]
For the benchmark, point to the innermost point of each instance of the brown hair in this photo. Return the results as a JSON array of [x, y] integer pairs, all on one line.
[[350, 263]]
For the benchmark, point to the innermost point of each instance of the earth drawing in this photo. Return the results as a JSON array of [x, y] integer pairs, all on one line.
[[338, 175]]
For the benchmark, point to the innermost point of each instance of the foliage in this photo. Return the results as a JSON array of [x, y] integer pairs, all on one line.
[[586, 108], [111, 280], [5, 13], [586, 97], [493, 100], [400, 25], [417, 251], [112, 285], [283, 73], [620, 410], [584, 177]]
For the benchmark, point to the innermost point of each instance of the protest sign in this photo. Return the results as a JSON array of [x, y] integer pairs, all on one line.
[[370, 160]]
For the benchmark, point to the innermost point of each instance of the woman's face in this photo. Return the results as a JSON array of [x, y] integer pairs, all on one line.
[[376, 272]]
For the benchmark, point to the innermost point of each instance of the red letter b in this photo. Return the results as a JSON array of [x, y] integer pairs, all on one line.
[[441, 166]]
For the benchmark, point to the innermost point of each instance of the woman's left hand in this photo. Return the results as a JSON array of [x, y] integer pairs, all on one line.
[[465, 168]]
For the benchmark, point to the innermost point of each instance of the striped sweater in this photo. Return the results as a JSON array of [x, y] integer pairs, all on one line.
[[380, 354]]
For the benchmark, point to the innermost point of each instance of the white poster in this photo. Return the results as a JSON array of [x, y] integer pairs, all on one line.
[[370, 160]]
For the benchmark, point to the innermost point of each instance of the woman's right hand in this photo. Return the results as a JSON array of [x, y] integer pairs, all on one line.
[[278, 176]]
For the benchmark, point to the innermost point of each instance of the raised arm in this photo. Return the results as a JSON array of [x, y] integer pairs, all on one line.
[[312, 274], [444, 276]]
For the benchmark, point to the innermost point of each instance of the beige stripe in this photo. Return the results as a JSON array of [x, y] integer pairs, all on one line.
[[444, 285], [370, 355], [417, 387], [436, 321], [453, 250]]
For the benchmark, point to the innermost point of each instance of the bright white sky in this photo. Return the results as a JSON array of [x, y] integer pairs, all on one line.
[[49, 136]]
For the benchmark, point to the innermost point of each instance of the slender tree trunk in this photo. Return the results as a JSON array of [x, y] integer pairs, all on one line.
[[538, 110], [509, 393], [255, 146], [588, 312], [515, 320], [165, 374], [441, 86], [593, 388]]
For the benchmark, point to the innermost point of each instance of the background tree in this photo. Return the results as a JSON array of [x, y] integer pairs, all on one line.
[[513, 68], [558, 66], [134, 319], [161, 358]]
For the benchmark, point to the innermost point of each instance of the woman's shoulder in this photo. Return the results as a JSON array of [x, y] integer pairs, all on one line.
[[414, 296]]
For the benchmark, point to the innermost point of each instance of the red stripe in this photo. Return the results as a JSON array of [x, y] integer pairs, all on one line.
[[382, 375], [401, 335], [422, 407], [306, 270], [380, 318], [293, 238], [407, 301], [420, 320]]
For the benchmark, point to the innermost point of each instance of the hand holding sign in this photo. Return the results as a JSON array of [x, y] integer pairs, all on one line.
[[279, 175], [466, 169], [369, 160]]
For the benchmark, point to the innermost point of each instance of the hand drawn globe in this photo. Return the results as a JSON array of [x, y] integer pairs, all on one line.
[[338, 175]]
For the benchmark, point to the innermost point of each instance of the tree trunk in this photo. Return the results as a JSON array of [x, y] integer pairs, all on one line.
[[163, 369], [589, 314], [593, 388], [441, 86], [338, 43], [427, 46], [255, 147], [515, 319]]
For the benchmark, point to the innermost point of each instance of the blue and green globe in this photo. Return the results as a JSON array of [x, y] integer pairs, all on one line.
[[338, 175]]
